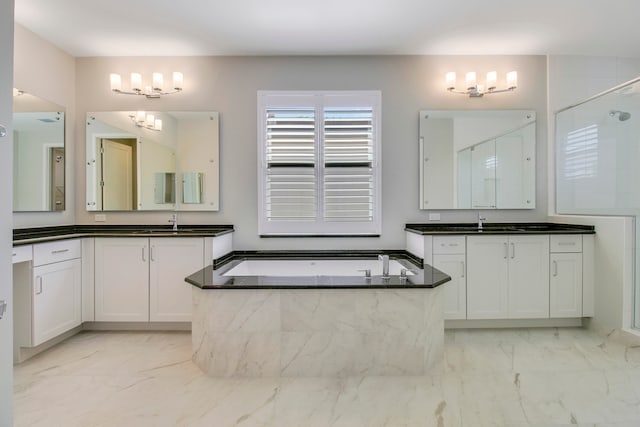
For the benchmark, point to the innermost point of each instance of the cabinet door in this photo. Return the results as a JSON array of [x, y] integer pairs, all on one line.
[[455, 291], [565, 289], [487, 292], [57, 299], [122, 279], [528, 277], [172, 259]]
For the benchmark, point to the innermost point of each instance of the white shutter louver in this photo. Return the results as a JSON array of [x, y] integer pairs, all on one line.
[[581, 153], [348, 160], [290, 160], [319, 163]]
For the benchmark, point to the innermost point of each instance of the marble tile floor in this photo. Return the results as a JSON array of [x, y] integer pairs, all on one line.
[[525, 377]]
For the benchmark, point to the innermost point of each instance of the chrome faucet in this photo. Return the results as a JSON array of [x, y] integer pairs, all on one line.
[[174, 221], [385, 265], [480, 219]]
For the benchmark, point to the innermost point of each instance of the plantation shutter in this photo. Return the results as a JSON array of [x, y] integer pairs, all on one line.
[[291, 190], [348, 161], [319, 158]]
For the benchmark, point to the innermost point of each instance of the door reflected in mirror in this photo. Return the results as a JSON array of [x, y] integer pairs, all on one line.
[[38, 154], [134, 167], [477, 159]]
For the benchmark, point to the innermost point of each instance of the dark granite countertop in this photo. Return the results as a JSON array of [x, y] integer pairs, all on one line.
[[213, 278], [24, 236], [501, 228]]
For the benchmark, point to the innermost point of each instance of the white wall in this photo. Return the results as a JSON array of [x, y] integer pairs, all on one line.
[[230, 84], [573, 79], [6, 156], [46, 71]]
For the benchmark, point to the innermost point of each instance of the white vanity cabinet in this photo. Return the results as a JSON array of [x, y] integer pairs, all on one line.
[[449, 256], [565, 281], [171, 260], [56, 289], [507, 277], [142, 279]]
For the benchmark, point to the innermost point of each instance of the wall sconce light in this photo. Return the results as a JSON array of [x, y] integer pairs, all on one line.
[[147, 121], [153, 91], [475, 90]]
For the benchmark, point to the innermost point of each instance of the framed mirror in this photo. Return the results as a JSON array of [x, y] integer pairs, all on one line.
[[38, 154], [477, 159], [152, 160]]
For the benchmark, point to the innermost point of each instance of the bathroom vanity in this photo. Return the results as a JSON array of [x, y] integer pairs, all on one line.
[[526, 274]]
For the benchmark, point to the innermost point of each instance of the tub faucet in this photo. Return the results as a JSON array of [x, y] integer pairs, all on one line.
[[174, 221], [385, 264], [480, 219]]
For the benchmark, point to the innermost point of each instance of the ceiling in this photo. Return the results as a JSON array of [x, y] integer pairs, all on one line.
[[335, 27]]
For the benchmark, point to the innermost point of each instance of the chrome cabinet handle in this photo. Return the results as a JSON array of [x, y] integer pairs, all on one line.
[[462, 269], [555, 268], [59, 251], [506, 251], [143, 255], [513, 250], [38, 285], [151, 253]]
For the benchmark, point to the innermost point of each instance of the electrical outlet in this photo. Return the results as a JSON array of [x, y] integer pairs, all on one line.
[[100, 218], [434, 217]]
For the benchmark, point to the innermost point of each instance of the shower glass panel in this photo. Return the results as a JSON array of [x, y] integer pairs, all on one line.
[[598, 161]]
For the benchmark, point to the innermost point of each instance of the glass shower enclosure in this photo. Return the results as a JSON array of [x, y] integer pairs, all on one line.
[[598, 161]]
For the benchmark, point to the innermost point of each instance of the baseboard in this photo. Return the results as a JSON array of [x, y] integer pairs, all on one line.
[[512, 323], [26, 353], [136, 326]]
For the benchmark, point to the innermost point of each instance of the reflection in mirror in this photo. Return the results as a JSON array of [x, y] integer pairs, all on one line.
[[132, 166], [38, 154], [477, 159]]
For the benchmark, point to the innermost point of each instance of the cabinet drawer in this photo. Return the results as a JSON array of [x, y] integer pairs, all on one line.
[[46, 253], [443, 245], [21, 253], [565, 243]]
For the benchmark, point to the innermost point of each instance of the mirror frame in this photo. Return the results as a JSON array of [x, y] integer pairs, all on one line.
[[488, 126], [51, 170], [181, 137]]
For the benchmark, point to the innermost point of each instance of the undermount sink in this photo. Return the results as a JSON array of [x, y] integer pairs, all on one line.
[[164, 231], [474, 228]]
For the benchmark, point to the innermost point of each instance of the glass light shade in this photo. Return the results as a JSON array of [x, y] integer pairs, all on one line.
[[136, 81], [512, 79], [157, 124], [157, 81], [471, 80], [140, 116], [151, 120], [116, 82], [480, 88], [492, 79], [177, 80], [450, 78]]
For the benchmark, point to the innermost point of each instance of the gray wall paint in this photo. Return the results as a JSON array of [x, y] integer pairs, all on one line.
[[6, 189], [229, 85]]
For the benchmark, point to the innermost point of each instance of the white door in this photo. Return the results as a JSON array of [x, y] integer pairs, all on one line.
[[6, 168], [528, 277], [57, 299], [565, 288], [455, 291], [122, 279], [487, 274], [117, 176], [173, 259]]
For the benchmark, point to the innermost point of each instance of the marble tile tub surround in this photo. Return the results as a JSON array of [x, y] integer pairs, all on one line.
[[317, 333], [517, 377], [23, 236]]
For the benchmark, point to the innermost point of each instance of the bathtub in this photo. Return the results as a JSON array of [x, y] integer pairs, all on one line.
[[305, 268]]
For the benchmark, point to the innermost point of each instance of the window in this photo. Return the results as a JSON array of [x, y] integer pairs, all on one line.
[[581, 153], [319, 157]]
